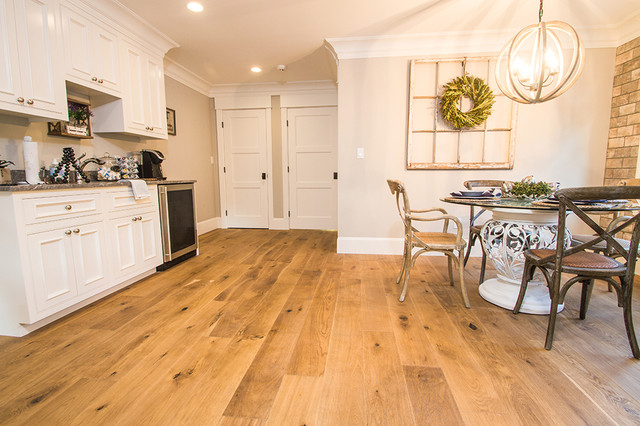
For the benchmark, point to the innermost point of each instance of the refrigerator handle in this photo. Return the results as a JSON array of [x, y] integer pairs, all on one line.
[[164, 223]]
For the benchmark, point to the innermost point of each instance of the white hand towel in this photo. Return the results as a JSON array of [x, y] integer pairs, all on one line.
[[139, 188]]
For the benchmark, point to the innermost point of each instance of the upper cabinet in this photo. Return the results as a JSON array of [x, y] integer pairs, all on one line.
[[91, 53], [31, 80], [142, 109]]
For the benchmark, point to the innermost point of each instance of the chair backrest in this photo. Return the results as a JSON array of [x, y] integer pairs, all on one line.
[[402, 199], [488, 183], [567, 198]]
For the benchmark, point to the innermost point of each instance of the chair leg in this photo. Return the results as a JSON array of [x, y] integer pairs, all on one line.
[[407, 273], [450, 265], [472, 239], [587, 289], [463, 288], [527, 275], [484, 266], [553, 313], [627, 289], [404, 264]]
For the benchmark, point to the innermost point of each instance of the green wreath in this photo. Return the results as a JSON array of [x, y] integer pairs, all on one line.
[[475, 89]]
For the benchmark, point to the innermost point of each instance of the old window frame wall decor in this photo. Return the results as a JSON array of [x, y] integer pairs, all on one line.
[[432, 143]]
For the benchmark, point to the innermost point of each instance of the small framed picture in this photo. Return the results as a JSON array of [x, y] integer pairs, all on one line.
[[171, 121]]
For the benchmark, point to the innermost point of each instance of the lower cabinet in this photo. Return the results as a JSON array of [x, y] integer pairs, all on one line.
[[66, 263], [63, 248], [136, 242]]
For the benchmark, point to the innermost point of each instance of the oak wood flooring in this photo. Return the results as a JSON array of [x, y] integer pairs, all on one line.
[[275, 328]]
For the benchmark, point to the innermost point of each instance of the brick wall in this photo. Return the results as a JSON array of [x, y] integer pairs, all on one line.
[[624, 127]]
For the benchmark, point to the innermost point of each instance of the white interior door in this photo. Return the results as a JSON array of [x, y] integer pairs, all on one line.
[[245, 168], [313, 166]]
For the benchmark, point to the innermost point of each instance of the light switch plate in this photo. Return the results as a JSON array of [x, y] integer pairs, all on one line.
[[360, 153]]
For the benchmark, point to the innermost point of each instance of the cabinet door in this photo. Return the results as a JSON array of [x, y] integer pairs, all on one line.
[[136, 245], [149, 239], [43, 88], [137, 90], [105, 59], [77, 45], [90, 258], [54, 281], [9, 63], [90, 53], [123, 248], [157, 112]]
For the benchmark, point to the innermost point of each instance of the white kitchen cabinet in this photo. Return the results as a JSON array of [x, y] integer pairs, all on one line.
[[135, 242], [142, 109], [91, 53], [62, 249], [31, 77], [66, 263]]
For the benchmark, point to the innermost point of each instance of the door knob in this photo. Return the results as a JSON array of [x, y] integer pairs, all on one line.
[[20, 99], [76, 231], [30, 102], [67, 232]]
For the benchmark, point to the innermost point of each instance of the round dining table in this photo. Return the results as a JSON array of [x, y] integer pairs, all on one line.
[[518, 225]]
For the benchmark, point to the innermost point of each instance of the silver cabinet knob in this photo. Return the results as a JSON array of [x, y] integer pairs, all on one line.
[[30, 102], [67, 232], [20, 99], [76, 231], [67, 207]]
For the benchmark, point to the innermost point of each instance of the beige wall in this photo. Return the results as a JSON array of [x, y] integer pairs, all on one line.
[[188, 154], [561, 140]]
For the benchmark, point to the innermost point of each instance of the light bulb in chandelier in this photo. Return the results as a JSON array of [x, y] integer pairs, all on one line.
[[541, 62]]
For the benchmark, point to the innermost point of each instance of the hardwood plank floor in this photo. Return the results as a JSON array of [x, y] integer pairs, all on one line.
[[274, 327]]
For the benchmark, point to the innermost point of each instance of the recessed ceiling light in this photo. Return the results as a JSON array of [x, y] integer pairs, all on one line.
[[194, 6], [256, 69]]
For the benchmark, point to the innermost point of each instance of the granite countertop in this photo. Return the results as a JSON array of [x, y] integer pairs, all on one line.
[[92, 184]]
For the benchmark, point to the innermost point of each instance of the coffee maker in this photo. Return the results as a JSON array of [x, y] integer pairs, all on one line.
[[151, 167]]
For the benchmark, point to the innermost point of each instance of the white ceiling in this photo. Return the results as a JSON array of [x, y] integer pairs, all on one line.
[[221, 43]]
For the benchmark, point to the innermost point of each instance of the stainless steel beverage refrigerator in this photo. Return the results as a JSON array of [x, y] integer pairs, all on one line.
[[178, 222]]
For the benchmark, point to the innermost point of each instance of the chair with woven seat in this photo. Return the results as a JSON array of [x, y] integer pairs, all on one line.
[[616, 267], [474, 229], [451, 244]]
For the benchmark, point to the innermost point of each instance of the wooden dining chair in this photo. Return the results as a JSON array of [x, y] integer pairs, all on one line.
[[475, 228], [451, 244], [586, 265]]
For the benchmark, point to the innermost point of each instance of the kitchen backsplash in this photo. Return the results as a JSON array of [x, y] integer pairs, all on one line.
[[14, 129]]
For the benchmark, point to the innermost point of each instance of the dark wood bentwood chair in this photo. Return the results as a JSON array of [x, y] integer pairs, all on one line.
[[474, 229], [617, 265], [452, 245]]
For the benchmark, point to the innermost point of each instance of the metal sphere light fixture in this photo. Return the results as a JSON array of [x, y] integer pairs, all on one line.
[[541, 62]]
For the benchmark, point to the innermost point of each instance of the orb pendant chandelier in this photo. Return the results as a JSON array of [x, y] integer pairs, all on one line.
[[541, 62]]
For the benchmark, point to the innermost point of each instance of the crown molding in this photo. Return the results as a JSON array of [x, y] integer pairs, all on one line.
[[248, 89], [185, 76], [475, 42]]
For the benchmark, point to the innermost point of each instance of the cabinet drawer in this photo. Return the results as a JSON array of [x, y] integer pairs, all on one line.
[[123, 199], [53, 208]]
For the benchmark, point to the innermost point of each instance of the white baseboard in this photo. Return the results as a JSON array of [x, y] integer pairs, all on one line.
[[367, 245], [208, 225]]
